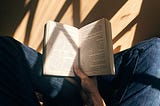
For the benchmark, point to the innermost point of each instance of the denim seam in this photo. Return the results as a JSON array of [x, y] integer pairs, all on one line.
[[123, 95]]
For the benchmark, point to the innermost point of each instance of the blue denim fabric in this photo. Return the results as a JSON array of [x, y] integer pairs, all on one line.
[[137, 79], [21, 71], [15, 87], [136, 82]]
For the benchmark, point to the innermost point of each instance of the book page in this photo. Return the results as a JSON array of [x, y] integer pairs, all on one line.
[[94, 51], [60, 49]]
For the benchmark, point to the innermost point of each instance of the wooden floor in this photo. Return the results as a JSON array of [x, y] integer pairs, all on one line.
[[132, 20]]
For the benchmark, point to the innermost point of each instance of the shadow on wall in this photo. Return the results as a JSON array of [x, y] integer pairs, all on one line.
[[12, 12], [103, 9], [148, 21]]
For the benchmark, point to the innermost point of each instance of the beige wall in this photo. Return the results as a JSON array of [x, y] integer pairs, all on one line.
[[132, 20]]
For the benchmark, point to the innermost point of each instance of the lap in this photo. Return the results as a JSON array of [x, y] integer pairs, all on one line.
[[136, 79]]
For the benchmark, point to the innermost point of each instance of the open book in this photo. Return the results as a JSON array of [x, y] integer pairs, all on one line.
[[90, 47]]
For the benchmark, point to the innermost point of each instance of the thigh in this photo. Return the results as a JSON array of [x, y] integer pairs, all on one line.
[[143, 88], [15, 85], [27, 65], [137, 76]]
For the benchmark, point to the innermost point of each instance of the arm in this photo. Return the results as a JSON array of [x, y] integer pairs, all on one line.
[[90, 92]]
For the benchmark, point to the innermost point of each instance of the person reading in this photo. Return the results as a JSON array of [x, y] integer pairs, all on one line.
[[135, 83]]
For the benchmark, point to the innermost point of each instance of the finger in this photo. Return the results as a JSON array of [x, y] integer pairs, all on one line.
[[79, 72], [94, 80], [84, 96]]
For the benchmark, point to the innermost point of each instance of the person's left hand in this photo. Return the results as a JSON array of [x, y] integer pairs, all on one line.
[[90, 93]]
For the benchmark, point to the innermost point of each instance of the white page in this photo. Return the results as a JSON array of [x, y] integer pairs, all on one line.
[[94, 49], [61, 44]]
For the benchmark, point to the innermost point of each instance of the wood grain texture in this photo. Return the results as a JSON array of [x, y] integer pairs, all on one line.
[[132, 20]]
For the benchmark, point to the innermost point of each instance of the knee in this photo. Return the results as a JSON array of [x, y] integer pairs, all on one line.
[[150, 54], [7, 42], [150, 46], [155, 42], [8, 46], [6, 38]]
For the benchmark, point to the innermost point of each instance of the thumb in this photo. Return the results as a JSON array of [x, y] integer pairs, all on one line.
[[79, 72]]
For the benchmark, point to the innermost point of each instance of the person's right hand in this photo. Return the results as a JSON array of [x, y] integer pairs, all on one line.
[[90, 93]]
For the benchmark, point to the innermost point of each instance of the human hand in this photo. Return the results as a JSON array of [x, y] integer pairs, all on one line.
[[90, 93]]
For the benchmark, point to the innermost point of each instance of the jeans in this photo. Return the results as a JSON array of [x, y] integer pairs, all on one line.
[[136, 82]]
